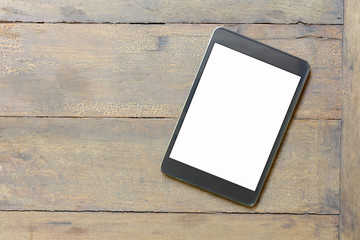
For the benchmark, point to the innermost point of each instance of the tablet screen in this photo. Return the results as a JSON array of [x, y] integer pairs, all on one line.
[[234, 117]]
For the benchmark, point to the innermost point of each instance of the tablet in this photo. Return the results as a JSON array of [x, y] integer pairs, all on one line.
[[235, 117]]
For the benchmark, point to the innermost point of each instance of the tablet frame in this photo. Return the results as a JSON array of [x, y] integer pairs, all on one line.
[[206, 180]]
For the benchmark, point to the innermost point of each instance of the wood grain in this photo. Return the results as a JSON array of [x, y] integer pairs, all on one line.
[[114, 164], [91, 70], [212, 11], [350, 163], [45, 225]]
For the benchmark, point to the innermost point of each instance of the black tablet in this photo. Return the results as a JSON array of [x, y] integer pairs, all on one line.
[[235, 117]]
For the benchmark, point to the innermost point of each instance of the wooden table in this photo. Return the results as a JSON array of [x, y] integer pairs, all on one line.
[[89, 95]]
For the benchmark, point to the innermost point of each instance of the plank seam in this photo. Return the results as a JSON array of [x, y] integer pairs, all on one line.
[[341, 127], [340, 163], [170, 118], [174, 212], [163, 23]]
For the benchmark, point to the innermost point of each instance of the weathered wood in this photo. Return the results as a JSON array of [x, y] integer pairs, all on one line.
[[274, 31], [45, 225], [95, 70], [114, 164], [350, 163], [232, 11]]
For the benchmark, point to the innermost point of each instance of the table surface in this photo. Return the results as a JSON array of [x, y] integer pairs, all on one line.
[[90, 92]]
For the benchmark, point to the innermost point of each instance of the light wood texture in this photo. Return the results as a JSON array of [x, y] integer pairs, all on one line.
[[47, 225], [350, 164], [114, 164], [94, 164], [231, 11], [91, 70]]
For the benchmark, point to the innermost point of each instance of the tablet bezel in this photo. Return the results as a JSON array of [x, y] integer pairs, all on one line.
[[263, 53]]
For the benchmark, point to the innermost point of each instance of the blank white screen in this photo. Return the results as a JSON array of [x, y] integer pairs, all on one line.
[[234, 117]]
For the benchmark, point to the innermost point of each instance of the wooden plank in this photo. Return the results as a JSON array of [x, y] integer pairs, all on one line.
[[70, 225], [212, 11], [92, 70], [298, 31], [350, 164], [74, 164]]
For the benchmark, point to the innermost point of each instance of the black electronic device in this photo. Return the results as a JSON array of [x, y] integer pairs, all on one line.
[[235, 117]]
